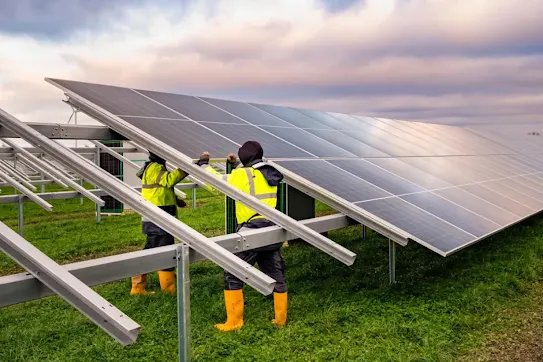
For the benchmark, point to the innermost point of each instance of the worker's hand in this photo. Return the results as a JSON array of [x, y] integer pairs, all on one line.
[[181, 203], [231, 158], [204, 159]]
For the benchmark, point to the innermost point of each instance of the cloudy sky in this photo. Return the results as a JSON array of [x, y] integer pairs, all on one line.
[[448, 61]]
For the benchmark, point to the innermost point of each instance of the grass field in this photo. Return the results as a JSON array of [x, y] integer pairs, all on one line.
[[442, 309]]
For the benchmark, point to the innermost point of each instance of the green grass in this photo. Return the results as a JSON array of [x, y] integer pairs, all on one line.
[[440, 309]]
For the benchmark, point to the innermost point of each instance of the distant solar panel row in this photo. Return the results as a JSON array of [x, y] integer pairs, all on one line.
[[446, 186]]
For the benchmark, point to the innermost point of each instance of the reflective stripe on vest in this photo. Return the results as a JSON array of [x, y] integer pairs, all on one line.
[[157, 181], [252, 187]]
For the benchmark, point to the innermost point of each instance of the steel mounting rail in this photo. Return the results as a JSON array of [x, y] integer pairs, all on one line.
[[169, 153], [9, 171], [124, 193], [68, 287], [31, 164], [32, 196], [47, 167]]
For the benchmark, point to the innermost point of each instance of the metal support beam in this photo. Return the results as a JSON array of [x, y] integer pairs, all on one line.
[[9, 152], [167, 152], [65, 195], [32, 196], [46, 167], [392, 261], [16, 177], [193, 199], [59, 169], [125, 194], [14, 168], [19, 288], [183, 301], [98, 208], [20, 216], [30, 163], [68, 131], [68, 287], [364, 232]]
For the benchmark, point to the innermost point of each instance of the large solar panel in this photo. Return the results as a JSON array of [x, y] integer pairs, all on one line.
[[447, 187]]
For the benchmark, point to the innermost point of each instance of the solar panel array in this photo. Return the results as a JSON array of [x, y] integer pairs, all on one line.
[[445, 186]]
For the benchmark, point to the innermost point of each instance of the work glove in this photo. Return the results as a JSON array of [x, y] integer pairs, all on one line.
[[233, 160], [181, 203], [204, 159]]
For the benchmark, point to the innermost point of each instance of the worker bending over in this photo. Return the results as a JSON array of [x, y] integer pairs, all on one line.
[[259, 179], [157, 187]]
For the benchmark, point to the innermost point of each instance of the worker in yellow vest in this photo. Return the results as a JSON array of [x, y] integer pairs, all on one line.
[[255, 177], [157, 187]]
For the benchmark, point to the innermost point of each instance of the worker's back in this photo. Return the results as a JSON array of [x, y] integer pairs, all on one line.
[[154, 189], [252, 181]]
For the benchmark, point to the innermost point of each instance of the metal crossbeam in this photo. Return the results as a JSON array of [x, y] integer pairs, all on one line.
[[30, 163], [32, 196], [65, 195], [9, 171], [50, 169], [68, 131], [9, 152], [169, 153], [124, 193], [67, 286], [15, 169], [19, 288]]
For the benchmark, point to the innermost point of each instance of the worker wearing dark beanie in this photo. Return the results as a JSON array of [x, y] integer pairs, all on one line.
[[261, 180], [250, 153]]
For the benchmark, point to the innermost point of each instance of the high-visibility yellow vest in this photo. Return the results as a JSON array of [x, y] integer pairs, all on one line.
[[251, 181], [157, 184]]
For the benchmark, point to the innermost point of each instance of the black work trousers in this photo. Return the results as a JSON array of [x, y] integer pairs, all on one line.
[[156, 236], [156, 240], [269, 260]]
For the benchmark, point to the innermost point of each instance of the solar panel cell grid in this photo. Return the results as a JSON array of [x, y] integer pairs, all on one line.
[[335, 180], [309, 142], [248, 113], [378, 176], [192, 107], [437, 234], [186, 136], [452, 213], [273, 147]]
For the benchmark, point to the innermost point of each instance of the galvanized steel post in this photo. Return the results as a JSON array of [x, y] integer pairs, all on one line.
[[183, 301]]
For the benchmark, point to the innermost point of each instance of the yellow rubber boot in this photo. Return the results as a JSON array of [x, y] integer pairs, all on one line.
[[233, 300], [139, 282], [280, 306], [167, 281]]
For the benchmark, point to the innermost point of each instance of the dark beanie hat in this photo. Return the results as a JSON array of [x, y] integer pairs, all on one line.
[[249, 152], [156, 158]]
